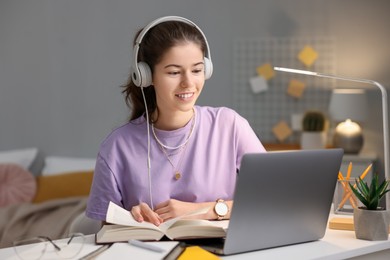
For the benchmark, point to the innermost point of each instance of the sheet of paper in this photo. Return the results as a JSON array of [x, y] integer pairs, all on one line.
[[196, 252], [308, 55], [296, 122], [33, 251], [266, 71], [296, 88], [258, 84], [125, 250], [281, 130]]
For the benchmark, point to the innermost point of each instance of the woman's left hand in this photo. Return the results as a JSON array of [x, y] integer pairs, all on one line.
[[173, 208]]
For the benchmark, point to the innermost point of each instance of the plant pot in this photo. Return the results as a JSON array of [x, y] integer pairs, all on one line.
[[371, 224], [313, 140]]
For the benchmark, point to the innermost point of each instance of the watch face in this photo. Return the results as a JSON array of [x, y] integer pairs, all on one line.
[[221, 208]]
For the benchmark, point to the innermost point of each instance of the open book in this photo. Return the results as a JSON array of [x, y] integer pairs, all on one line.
[[124, 227]]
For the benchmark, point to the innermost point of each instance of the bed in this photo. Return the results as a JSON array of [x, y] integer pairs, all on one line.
[[43, 195]]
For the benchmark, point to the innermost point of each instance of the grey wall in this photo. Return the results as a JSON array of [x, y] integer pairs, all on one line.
[[62, 62]]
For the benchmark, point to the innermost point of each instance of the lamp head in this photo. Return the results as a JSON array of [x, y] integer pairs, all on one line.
[[348, 106]]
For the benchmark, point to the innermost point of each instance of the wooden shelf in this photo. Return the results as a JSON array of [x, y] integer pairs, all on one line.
[[281, 147]]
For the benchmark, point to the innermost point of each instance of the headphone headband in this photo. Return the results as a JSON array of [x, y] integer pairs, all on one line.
[[141, 73]]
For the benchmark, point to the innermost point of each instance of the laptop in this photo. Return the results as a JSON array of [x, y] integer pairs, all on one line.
[[281, 198]]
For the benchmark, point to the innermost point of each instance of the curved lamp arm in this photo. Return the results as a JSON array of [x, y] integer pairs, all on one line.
[[385, 110]]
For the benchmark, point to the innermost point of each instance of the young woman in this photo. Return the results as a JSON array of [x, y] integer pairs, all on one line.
[[172, 157]]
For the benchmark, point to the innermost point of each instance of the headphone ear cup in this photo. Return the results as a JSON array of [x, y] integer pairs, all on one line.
[[135, 76], [145, 75], [208, 68]]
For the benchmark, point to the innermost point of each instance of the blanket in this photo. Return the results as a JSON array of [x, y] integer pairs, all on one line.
[[51, 218]]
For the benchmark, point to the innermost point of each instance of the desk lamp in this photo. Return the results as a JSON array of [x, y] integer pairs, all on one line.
[[348, 107], [385, 118]]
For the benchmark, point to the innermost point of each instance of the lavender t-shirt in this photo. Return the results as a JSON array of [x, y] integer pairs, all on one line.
[[208, 164]]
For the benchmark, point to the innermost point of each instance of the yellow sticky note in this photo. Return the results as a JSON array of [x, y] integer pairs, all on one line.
[[295, 88], [196, 252], [281, 130], [307, 55], [266, 71]]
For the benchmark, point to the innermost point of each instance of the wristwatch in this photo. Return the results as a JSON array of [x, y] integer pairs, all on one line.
[[221, 209]]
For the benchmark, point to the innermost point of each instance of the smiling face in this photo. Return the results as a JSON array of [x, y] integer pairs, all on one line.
[[178, 80]]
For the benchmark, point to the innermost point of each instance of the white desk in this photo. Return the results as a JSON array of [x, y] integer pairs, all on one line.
[[89, 246], [335, 245]]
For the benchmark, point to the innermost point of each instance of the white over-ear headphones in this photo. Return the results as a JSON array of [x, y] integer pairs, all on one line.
[[141, 73]]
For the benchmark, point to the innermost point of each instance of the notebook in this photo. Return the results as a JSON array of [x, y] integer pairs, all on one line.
[[281, 198]]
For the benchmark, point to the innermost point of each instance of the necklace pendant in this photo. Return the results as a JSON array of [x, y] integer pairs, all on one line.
[[177, 175]]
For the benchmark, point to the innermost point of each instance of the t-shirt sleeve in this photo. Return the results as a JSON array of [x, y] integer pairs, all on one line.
[[246, 139], [103, 190]]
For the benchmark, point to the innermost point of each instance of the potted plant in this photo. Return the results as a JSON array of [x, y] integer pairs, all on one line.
[[371, 221], [313, 127]]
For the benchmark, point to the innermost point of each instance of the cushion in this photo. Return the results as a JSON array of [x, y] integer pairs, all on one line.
[[22, 157], [71, 184], [17, 185], [58, 165]]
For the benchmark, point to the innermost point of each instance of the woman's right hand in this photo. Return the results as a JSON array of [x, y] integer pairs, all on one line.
[[143, 212]]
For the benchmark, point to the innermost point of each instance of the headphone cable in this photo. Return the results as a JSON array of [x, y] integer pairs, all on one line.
[[148, 161]]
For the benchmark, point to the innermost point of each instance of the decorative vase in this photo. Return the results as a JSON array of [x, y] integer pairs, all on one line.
[[348, 135], [371, 224], [313, 140]]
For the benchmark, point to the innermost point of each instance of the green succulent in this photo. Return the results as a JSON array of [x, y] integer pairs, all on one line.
[[370, 196]]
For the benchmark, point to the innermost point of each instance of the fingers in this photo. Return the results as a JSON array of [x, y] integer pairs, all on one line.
[[143, 212], [136, 212], [167, 206], [169, 209], [166, 216], [163, 209]]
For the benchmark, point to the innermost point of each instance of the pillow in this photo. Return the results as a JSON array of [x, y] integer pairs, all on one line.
[[58, 165], [17, 185], [74, 184], [22, 157]]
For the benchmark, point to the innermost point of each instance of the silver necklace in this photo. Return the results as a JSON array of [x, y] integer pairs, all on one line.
[[183, 146], [177, 173], [180, 145]]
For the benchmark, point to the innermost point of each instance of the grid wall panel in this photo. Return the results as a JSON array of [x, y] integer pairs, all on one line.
[[264, 110]]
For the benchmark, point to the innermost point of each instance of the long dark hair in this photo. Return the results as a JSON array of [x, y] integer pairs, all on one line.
[[155, 43]]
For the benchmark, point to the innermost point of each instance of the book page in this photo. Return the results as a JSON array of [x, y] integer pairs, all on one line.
[[165, 226], [197, 228], [223, 224], [120, 216]]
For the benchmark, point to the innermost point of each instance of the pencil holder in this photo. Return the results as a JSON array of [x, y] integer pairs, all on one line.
[[344, 200]]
